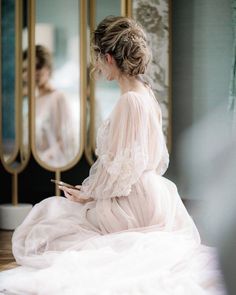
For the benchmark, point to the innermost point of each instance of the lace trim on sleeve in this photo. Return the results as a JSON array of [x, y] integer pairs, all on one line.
[[118, 174], [124, 170]]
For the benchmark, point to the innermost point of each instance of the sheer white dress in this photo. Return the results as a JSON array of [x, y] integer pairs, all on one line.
[[56, 138], [136, 237]]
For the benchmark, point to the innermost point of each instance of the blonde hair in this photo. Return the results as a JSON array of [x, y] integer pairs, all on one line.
[[125, 40]]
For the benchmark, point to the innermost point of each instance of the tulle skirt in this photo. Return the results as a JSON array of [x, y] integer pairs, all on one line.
[[144, 243]]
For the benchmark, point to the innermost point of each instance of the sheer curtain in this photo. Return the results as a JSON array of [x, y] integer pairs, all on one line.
[[232, 90]]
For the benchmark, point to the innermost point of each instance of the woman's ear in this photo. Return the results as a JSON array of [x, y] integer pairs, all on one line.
[[109, 58]]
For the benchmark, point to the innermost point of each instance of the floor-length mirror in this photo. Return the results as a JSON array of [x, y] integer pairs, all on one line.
[[103, 94], [106, 92], [10, 143], [14, 104], [57, 82]]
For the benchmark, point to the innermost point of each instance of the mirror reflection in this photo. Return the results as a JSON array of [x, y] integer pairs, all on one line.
[[15, 127], [8, 67], [57, 104], [24, 147]]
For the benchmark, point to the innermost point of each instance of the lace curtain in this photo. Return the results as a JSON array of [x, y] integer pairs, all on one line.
[[232, 90]]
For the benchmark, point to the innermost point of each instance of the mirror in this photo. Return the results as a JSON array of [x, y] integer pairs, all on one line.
[[15, 133], [56, 133], [104, 94], [8, 81]]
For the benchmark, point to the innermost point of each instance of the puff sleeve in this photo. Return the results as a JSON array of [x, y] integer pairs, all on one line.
[[122, 151]]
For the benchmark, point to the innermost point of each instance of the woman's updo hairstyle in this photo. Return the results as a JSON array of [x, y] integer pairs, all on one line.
[[125, 40]]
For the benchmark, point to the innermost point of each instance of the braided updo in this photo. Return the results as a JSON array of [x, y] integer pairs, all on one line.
[[125, 40]]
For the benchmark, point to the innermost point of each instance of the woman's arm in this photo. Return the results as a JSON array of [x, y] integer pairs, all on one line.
[[122, 153]]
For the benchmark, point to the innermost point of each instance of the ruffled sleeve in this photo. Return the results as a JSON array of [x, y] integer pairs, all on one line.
[[123, 150]]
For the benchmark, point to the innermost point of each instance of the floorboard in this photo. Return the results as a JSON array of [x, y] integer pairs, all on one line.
[[7, 260]]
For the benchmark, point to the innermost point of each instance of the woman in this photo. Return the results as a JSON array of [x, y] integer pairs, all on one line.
[[125, 230], [55, 139]]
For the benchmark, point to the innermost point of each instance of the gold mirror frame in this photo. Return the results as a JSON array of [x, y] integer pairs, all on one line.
[[89, 134], [15, 169], [83, 87]]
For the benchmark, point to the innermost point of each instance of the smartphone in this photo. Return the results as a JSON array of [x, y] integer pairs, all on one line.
[[64, 184]]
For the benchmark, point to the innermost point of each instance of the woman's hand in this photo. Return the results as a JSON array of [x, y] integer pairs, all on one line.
[[74, 194]]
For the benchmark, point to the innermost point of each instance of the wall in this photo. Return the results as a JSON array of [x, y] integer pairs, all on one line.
[[201, 52]]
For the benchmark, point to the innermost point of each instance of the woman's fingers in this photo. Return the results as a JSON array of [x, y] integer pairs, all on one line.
[[78, 186], [61, 187], [72, 194], [75, 192], [66, 193], [71, 191], [68, 196]]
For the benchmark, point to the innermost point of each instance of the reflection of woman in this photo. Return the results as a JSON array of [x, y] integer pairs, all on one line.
[[126, 231], [55, 142]]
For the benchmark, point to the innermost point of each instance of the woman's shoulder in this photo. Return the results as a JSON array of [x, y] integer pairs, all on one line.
[[133, 94], [133, 98], [57, 97], [58, 94], [138, 99], [130, 103], [142, 102]]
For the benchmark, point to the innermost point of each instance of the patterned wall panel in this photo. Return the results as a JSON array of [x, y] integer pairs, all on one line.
[[153, 15]]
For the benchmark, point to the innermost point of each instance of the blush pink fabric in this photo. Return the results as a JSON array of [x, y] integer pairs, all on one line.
[[136, 237]]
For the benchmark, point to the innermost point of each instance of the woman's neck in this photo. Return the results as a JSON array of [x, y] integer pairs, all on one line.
[[129, 83], [44, 90]]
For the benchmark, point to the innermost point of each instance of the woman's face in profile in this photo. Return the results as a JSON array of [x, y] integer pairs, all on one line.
[[42, 76]]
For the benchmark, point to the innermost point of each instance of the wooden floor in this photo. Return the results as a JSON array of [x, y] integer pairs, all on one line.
[[7, 260]]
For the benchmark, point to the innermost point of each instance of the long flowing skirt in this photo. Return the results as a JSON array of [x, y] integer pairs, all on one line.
[[145, 243]]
